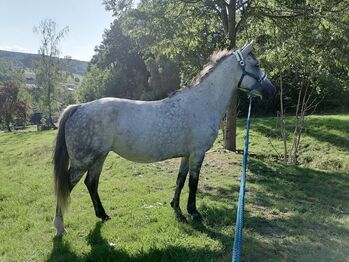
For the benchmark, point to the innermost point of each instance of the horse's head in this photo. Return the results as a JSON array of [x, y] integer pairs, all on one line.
[[252, 78]]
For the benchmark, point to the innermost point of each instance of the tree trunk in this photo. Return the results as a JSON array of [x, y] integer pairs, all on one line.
[[230, 129], [282, 122], [8, 126], [49, 92], [232, 24]]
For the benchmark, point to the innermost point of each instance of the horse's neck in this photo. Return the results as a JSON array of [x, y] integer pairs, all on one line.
[[218, 88]]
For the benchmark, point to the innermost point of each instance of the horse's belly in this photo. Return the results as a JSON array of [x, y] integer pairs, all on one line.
[[147, 148], [143, 158]]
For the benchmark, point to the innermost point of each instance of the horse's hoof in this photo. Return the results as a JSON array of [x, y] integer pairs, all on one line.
[[196, 217], [60, 234], [105, 218], [181, 218]]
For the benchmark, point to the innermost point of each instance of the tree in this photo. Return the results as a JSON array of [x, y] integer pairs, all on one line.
[[94, 84], [120, 67], [12, 108], [48, 70], [164, 76], [118, 7], [308, 68], [172, 41], [184, 35], [9, 71]]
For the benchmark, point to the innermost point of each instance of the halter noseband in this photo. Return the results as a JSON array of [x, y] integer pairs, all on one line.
[[242, 63]]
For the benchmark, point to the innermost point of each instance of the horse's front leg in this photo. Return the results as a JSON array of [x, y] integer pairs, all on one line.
[[182, 174], [195, 162]]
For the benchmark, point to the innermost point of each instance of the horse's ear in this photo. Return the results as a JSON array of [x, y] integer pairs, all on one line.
[[247, 49]]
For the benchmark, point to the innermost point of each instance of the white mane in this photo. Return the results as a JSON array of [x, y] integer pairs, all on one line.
[[215, 58]]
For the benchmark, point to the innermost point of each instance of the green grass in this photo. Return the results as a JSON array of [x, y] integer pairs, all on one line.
[[293, 213]]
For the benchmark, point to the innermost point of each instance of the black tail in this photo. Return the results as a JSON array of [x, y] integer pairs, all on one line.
[[61, 161]]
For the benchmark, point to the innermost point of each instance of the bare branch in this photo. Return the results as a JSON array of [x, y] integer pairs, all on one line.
[[272, 145]]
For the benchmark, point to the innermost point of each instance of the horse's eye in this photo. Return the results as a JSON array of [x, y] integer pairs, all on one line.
[[257, 65]]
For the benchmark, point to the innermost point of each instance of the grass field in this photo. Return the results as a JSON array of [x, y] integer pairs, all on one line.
[[293, 213]]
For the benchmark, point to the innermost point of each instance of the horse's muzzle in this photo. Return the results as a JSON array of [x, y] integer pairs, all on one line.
[[267, 88]]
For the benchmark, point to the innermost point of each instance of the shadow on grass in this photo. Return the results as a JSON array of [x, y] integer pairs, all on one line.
[[301, 185], [293, 213], [101, 250], [300, 220], [319, 131]]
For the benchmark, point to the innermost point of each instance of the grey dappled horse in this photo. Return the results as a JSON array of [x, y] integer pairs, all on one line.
[[183, 125]]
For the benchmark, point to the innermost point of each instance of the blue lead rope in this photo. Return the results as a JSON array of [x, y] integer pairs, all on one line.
[[240, 212]]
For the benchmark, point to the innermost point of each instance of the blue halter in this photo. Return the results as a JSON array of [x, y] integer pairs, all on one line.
[[242, 63]]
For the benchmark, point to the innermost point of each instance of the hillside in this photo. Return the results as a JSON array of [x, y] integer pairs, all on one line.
[[293, 213], [27, 61]]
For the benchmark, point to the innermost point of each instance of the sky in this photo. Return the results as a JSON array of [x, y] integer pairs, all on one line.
[[87, 20]]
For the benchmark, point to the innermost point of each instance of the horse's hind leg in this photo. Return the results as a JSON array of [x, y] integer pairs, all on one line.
[[91, 182], [75, 176], [182, 174]]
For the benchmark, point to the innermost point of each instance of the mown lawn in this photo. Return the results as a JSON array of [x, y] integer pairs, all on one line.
[[293, 213]]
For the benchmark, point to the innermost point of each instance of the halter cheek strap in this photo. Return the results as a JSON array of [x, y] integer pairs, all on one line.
[[259, 79]]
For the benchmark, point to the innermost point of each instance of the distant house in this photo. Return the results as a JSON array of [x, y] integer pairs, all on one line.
[[30, 80], [70, 87], [31, 86]]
